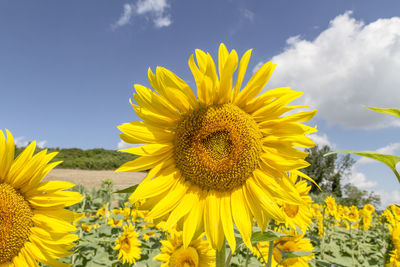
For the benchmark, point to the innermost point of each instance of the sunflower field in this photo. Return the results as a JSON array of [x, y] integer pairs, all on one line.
[[224, 186], [114, 232]]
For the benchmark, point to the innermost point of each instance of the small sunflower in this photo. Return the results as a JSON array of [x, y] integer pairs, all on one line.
[[173, 254], [296, 242], [218, 159], [34, 226], [299, 215], [369, 208], [353, 214], [331, 207], [128, 245], [394, 260]]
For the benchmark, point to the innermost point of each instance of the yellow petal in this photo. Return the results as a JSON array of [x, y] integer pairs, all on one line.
[[225, 86], [186, 204], [255, 84], [226, 220], [170, 200], [212, 220], [148, 150], [143, 163], [244, 61], [242, 216], [138, 132], [193, 222]]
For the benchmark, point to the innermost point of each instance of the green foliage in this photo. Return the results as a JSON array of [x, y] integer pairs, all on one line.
[[349, 247], [389, 160], [91, 159], [327, 172], [359, 198]]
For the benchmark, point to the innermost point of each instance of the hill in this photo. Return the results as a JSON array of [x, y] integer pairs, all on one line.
[[90, 159]]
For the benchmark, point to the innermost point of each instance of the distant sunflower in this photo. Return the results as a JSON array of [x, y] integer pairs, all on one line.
[[128, 245], [295, 242], [221, 158], [299, 215], [173, 254], [34, 226]]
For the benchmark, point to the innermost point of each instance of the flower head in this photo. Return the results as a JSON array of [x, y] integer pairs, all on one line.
[[128, 245], [34, 226], [219, 159], [174, 254]]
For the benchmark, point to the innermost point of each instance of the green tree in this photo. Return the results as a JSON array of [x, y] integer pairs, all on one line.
[[328, 172], [357, 197]]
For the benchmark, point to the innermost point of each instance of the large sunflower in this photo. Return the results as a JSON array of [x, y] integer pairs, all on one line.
[[34, 226], [220, 158]]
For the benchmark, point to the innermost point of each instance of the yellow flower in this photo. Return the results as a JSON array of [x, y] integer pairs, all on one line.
[[128, 245], [219, 159], [367, 220], [86, 227], [174, 254], [368, 208], [353, 214], [114, 222], [147, 235], [331, 207], [295, 242], [299, 215], [395, 233], [103, 211], [34, 226], [394, 258]]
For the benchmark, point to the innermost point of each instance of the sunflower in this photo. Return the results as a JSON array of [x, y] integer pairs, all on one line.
[[331, 207], [174, 254], [295, 242], [394, 258], [128, 245], [299, 215], [34, 226], [218, 159], [368, 208]]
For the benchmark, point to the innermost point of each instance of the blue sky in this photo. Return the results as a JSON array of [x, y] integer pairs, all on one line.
[[67, 68]]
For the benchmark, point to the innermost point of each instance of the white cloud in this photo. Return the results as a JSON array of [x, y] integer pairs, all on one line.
[[347, 66], [390, 149], [125, 17], [41, 144], [389, 197], [156, 10], [247, 14], [21, 142], [162, 22], [146, 6], [322, 140], [359, 179], [125, 145]]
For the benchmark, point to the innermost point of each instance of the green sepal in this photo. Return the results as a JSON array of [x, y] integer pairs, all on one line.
[[130, 189]]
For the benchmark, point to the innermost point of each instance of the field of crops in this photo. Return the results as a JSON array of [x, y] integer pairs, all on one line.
[[112, 232]]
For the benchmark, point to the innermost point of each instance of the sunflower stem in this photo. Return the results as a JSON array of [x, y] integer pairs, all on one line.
[[220, 256], [270, 250]]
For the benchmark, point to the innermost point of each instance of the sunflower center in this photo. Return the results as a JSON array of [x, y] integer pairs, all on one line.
[[218, 147], [291, 210], [15, 222], [184, 257]]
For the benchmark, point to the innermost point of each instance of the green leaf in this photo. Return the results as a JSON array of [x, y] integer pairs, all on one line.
[[267, 235], [389, 111], [130, 189], [295, 254], [389, 160]]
